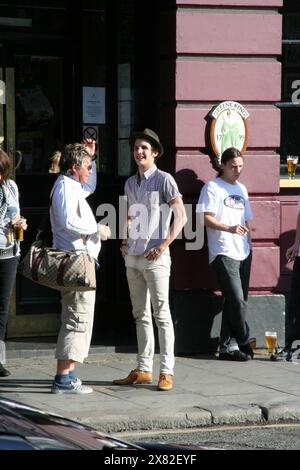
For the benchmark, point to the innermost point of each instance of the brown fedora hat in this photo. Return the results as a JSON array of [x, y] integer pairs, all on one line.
[[150, 136]]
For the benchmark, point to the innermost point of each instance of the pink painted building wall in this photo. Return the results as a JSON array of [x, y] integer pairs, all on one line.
[[226, 50]]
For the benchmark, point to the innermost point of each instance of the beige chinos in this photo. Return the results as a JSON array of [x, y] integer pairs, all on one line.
[[151, 279]]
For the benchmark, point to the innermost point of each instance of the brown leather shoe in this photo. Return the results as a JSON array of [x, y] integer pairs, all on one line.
[[135, 377], [165, 382]]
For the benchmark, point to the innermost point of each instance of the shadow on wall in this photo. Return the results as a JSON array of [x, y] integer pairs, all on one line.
[[188, 182], [286, 240], [194, 306], [196, 329]]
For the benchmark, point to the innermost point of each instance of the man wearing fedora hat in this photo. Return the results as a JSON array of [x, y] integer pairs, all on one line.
[[152, 197]]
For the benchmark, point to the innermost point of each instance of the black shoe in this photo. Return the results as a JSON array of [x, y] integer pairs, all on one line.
[[284, 354], [3, 372], [233, 356], [246, 348]]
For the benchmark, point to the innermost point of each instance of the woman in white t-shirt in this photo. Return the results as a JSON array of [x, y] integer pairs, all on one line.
[[225, 204]]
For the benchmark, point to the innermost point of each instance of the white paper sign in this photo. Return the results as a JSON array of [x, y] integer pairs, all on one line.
[[93, 106]]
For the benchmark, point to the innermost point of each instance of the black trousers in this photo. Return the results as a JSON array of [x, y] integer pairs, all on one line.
[[8, 269], [233, 278], [293, 318]]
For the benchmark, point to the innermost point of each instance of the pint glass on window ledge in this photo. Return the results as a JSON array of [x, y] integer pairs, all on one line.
[[271, 341], [291, 162]]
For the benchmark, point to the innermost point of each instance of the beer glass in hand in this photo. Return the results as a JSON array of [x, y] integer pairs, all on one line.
[[18, 227], [271, 341], [291, 162]]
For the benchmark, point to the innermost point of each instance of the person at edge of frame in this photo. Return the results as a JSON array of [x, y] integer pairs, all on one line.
[[293, 317], [11, 223]]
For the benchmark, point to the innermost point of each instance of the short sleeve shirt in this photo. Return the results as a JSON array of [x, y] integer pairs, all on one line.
[[148, 208]]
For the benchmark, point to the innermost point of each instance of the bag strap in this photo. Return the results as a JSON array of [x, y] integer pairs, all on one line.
[[35, 265], [61, 270]]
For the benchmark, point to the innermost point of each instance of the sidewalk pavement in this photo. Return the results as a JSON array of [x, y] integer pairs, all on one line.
[[206, 392]]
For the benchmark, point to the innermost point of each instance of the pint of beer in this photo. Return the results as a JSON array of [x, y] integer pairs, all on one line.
[[291, 162], [18, 229], [18, 232], [271, 340]]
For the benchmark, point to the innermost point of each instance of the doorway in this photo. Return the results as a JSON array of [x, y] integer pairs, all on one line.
[[34, 126]]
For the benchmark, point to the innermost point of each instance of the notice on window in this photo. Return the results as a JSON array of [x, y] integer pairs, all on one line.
[[2, 92], [93, 106]]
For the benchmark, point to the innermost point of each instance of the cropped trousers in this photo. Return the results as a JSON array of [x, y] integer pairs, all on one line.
[[77, 316]]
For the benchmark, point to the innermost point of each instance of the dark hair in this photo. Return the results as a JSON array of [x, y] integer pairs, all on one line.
[[73, 154], [151, 137], [154, 147], [5, 165], [227, 155]]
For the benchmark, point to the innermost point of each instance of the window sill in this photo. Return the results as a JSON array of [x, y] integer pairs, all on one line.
[[286, 183]]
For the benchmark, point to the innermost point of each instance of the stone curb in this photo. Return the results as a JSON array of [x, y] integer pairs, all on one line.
[[281, 411], [196, 417], [187, 418]]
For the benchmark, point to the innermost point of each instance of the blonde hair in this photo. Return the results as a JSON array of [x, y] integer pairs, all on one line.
[[55, 160]]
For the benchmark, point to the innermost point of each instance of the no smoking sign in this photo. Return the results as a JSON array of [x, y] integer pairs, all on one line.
[[90, 132]]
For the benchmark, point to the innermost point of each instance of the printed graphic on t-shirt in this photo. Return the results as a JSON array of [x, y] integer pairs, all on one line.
[[235, 202]]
